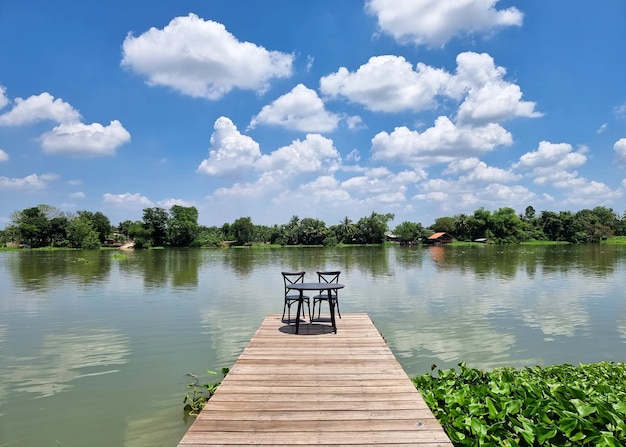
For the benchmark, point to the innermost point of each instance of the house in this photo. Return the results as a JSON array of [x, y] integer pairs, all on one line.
[[439, 238]]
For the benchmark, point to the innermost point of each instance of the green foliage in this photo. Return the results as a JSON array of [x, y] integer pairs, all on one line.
[[409, 231], [199, 394], [242, 230], [560, 405]]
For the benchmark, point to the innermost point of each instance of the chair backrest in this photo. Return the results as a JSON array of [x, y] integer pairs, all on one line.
[[329, 277], [292, 278]]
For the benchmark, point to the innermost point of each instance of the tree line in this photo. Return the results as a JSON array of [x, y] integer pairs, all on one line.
[[47, 226]]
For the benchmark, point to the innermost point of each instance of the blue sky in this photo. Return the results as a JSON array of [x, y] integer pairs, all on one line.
[[323, 109]]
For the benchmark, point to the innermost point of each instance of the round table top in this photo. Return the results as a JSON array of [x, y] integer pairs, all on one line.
[[315, 286]]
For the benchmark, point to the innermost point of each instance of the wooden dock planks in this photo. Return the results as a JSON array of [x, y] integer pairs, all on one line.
[[316, 388]]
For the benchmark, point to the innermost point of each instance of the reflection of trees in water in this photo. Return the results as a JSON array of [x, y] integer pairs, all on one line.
[[178, 267], [506, 261], [42, 270]]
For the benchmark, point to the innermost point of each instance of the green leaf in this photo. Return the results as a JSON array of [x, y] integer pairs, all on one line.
[[568, 425], [620, 407], [583, 408], [544, 433]]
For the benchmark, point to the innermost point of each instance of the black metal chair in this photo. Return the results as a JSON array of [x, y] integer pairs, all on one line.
[[292, 296], [329, 277]]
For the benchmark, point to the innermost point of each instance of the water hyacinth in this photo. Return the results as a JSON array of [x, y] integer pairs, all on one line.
[[561, 405]]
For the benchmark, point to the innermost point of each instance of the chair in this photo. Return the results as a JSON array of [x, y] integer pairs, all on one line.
[[329, 277], [292, 296]]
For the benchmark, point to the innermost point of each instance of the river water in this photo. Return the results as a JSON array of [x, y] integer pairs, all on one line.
[[95, 346]]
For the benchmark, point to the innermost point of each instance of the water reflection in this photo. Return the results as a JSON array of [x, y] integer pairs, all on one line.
[[107, 340], [64, 358]]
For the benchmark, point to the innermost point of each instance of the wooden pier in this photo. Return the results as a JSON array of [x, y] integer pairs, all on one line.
[[316, 388]]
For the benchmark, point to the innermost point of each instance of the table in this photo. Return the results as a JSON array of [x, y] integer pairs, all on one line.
[[320, 286]]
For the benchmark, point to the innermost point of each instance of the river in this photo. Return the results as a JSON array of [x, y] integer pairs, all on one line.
[[95, 346]]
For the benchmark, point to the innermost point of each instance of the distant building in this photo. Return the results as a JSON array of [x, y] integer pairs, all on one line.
[[439, 238]]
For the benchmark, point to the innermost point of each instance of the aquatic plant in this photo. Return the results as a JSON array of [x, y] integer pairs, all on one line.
[[560, 405]]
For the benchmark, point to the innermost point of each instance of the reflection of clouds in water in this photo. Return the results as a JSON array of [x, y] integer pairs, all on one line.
[[66, 357], [153, 429], [472, 341], [560, 312], [556, 314]]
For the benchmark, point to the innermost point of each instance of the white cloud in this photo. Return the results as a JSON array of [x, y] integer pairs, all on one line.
[[620, 152], [602, 128], [3, 156], [435, 22], [169, 203], [31, 182], [77, 195], [231, 153], [301, 110], [38, 108], [127, 200], [488, 97], [551, 156], [202, 59], [475, 171], [315, 154], [86, 140], [387, 84], [443, 143]]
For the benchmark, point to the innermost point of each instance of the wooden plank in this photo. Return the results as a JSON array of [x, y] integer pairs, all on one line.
[[316, 388]]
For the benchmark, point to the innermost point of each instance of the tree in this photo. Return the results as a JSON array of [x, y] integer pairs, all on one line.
[[81, 233], [243, 230], [155, 224], [346, 231], [444, 224], [32, 226], [506, 226], [311, 231], [409, 231], [371, 230], [99, 222], [461, 227], [480, 224], [182, 225]]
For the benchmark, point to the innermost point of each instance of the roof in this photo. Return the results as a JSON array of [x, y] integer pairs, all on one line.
[[439, 235]]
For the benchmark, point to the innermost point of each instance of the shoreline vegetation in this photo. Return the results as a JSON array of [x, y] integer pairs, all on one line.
[[616, 240], [47, 226]]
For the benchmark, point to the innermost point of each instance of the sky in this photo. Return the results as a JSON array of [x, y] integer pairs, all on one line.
[[323, 109]]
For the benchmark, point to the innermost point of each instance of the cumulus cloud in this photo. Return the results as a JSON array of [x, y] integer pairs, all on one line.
[[620, 152], [442, 143], [488, 97], [313, 154], [127, 200], [39, 108], [435, 22], [231, 153], [387, 84], [86, 140], [31, 182], [301, 110], [551, 156], [201, 58], [473, 170], [3, 156]]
